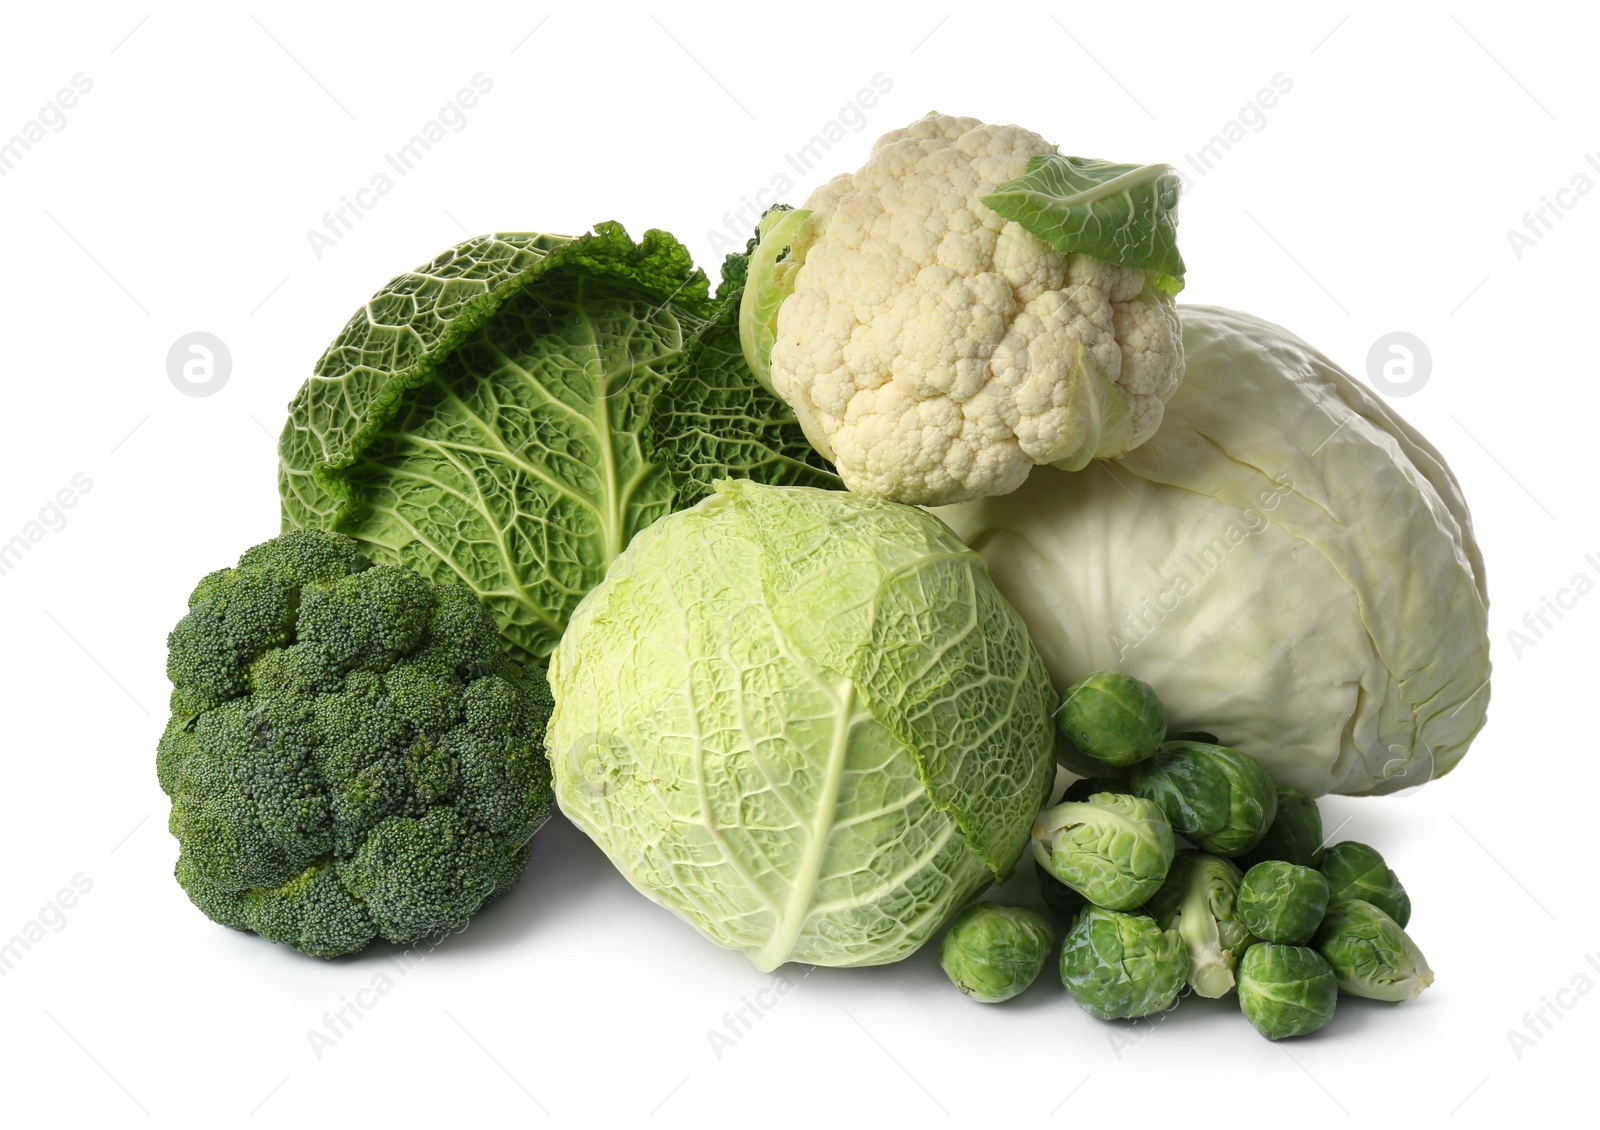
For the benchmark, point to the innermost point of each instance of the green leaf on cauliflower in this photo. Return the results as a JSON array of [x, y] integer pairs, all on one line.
[[508, 416], [772, 282], [1122, 214]]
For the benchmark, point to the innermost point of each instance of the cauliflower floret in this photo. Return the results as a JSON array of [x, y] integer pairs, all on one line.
[[936, 352]]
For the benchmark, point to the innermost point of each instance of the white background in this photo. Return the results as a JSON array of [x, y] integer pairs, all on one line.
[[1376, 197]]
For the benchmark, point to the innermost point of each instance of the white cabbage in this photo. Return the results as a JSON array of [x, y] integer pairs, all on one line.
[[1287, 562]]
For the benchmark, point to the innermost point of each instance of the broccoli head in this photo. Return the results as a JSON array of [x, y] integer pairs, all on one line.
[[351, 753]]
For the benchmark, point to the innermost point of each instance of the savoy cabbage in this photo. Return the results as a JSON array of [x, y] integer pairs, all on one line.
[[509, 415], [804, 720]]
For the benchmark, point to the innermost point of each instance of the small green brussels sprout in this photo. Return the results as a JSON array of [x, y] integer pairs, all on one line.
[[1356, 871], [1371, 954], [993, 952], [1113, 849], [1113, 718], [1060, 898], [1085, 787], [1070, 758], [1283, 902], [1286, 990], [1295, 835], [1217, 798], [1122, 965], [1198, 901], [1204, 736]]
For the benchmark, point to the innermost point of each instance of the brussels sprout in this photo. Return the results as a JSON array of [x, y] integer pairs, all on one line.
[[1283, 902], [993, 952], [1198, 901], [1113, 849], [1371, 954], [1217, 798], [1113, 718], [1085, 787], [1060, 898], [1295, 835], [1356, 871], [1070, 758], [1204, 736], [1286, 990], [1122, 965]]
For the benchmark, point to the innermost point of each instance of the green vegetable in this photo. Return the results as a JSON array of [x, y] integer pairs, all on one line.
[[1072, 759], [1371, 954], [1295, 835], [1283, 902], [1113, 718], [1124, 214], [509, 415], [1285, 560], [937, 354], [1060, 898], [1356, 871], [1217, 798], [1122, 965], [773, 272], [1286, 990], [993, 952], [1198, 901], [1113, 849], [804, 720], [1085, 787], [351, 755]]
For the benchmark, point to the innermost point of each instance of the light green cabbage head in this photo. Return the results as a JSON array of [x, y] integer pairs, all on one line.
[[1287, 562], [804, 720]]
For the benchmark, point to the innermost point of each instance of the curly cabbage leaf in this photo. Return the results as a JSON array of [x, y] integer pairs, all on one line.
[[804, 720], [1287, 561], [509, 415]]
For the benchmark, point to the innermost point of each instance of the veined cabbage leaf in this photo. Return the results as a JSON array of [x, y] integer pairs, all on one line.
[[509, 415], [804, 720]]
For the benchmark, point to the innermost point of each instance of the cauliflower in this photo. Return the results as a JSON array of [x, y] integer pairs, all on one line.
[[935, 351]]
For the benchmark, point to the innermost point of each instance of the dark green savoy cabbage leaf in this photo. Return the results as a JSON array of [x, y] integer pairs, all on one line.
[[509, 415]]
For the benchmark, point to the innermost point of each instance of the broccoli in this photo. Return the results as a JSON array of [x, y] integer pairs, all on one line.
[[351, 753]]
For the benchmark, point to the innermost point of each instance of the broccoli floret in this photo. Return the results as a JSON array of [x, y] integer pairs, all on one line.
[[351, 754]]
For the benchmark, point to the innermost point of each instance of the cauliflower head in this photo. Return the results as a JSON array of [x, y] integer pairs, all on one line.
[[936, 352]]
